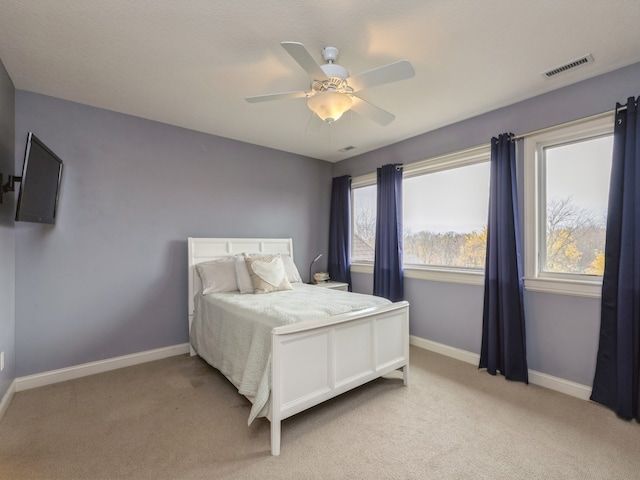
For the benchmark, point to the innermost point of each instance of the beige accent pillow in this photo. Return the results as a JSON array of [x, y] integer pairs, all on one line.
[[267, 273]]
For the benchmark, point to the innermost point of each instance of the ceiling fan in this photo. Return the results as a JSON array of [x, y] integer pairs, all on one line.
[[333, 91]]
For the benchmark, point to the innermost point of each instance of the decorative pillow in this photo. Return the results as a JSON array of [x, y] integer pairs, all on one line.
[[218, 275], [242, 274], [292, 271], [267, 273]]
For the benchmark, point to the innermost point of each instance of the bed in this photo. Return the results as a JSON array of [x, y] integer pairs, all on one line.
[[294, 362]]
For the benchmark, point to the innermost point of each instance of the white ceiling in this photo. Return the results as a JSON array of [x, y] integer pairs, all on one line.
[[190, 63]]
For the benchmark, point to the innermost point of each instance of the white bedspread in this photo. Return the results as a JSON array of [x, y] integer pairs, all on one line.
[[232, 332]]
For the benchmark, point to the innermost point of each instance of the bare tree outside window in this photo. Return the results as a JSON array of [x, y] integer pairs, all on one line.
[[574, 238], [577, 186]]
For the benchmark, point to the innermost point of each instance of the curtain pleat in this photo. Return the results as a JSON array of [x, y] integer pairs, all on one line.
[[503, 326], [339, 261], [617, 374], [387, 266]]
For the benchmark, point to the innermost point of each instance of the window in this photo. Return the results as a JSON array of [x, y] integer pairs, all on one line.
[[445, 202], [445, 217], [363, 201], [566, 193]]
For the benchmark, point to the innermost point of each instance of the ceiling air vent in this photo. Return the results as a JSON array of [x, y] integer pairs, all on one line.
[[346, 149], [568, 66]]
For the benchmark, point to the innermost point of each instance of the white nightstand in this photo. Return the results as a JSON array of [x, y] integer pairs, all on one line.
[[334, 285]]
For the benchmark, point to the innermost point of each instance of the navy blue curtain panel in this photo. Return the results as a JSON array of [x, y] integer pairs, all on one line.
[[387, 266], [340, 230], [503, 327], [615, 382]]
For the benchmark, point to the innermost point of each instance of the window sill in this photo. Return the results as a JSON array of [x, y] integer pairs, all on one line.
[[564, 287], [465, 277], [559, 287], [362, 268]]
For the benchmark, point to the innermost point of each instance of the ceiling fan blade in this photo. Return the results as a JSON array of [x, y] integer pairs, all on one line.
[[275, 96], [379, 76], [301, 55], [369, 110]]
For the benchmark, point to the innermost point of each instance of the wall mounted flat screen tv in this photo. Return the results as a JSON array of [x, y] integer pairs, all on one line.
[[40, 184]]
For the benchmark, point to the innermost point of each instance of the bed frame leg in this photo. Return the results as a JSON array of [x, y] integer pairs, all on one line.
[[275, 438], [405, 374]]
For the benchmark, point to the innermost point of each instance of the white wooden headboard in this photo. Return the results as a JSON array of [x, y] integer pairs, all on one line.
[[205, 249]]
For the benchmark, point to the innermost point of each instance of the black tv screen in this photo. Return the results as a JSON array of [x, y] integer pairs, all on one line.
[[40, 185]]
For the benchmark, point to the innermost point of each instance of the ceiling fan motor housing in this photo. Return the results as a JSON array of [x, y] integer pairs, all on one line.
[[330, 54], [335, 70]]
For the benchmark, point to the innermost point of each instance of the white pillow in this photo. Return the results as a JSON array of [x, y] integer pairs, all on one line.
[[292, 271], [218, 275], [267, 273], [242, 275]]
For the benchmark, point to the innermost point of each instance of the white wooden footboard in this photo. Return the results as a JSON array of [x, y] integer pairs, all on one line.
[[315, 361]]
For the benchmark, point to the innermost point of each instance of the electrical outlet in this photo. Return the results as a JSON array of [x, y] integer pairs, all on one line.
[[1, 361]]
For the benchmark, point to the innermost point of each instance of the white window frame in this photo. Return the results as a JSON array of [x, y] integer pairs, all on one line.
[[444, 162], [534, 279]]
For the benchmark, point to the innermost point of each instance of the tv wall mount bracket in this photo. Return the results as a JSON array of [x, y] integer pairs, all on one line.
[[9, 186]]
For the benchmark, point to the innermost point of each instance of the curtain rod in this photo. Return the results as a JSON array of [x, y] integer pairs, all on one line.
[[515, 138]]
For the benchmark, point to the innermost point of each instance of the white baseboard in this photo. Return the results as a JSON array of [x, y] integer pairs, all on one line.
[[6, 398], [91, 368], [47, 378], [445, 350], [537, 378], [561, 385]]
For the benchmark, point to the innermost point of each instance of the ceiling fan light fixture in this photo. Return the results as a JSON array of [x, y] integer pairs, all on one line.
[[330, 105]]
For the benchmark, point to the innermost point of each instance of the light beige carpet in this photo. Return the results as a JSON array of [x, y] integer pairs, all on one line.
[[179, 419]]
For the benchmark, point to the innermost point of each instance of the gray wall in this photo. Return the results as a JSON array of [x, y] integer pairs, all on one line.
[[7, 236], [562, 331], [110, 277]]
